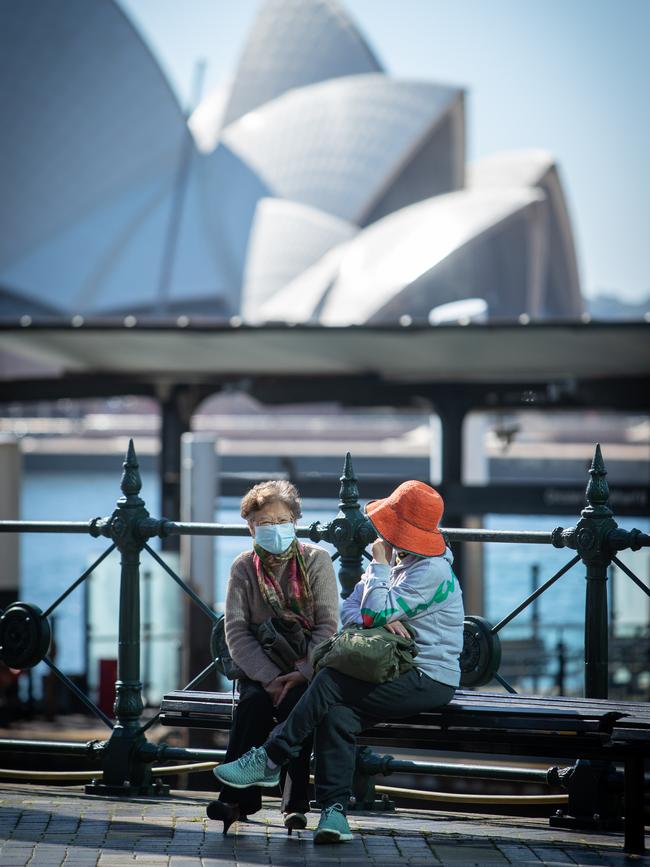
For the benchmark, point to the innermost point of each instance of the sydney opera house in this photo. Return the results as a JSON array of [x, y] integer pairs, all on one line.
[[315, 187]]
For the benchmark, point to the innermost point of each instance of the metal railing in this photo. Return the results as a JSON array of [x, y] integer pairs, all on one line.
[[126, 757]]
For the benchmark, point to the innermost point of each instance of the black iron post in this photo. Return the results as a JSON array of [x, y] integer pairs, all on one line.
[[176, 407], [172, 425], [129, 527], [596, 538], [452, 417], [593, 530], [589, 538], [350, 531]]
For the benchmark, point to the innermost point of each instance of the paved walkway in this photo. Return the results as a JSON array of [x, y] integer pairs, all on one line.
[[43, 827]]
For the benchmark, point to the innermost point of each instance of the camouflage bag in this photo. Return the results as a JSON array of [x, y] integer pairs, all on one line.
[[373, 655]]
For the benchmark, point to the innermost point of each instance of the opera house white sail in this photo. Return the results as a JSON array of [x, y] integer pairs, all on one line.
[[432, 253], [312, 186], [286, 239], [294, 44], [537, 168], [342, 145]]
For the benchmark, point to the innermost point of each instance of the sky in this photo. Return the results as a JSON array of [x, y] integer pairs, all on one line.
[[569, 76]]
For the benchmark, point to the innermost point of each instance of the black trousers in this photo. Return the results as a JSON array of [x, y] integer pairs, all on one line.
[[336, 708], [254, 719]]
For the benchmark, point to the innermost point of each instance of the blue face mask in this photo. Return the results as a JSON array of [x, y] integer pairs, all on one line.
[[275, 538]]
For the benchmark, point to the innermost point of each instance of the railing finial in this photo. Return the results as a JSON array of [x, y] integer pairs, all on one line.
[[131, 483], [597, 488], [349, 491]]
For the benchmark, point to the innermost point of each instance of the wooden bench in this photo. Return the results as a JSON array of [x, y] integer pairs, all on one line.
[[600, 731]]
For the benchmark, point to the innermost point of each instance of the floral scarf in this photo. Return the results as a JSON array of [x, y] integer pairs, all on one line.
[[298, 604]]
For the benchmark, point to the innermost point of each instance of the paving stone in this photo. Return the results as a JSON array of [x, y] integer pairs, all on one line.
[[551, 854], [469, 854], [80, 862], [516, 853]]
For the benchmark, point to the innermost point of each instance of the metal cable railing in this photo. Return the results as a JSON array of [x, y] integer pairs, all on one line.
[[127, 757]]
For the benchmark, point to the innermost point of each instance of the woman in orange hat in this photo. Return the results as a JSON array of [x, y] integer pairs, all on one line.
[[410, 580]]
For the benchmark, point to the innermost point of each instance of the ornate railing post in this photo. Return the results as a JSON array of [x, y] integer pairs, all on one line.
[[592, 532], [596, 538], [350, 531], [129, 527]]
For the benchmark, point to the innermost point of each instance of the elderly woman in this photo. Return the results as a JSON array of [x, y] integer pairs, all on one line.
[[295, 582]]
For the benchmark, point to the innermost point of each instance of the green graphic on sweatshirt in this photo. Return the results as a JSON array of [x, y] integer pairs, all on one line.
[[379, 618]]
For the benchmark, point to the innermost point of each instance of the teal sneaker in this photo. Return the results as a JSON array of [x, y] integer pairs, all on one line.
[[249, 770], [333, 826]]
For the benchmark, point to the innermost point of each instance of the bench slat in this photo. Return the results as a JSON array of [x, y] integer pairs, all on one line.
[[216, 703], [465, 698], [514, 723]]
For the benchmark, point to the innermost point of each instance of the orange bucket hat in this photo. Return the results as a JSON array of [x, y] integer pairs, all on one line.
[[408, 519]]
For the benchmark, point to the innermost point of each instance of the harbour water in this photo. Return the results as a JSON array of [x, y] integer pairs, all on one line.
[[50, 563]]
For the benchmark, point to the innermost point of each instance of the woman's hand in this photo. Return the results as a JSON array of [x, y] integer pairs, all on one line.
[[287, 682], [274, 690], [381, 551], [397, 628]]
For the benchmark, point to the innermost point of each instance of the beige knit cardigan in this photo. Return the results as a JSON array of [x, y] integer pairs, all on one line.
[[246, 607]]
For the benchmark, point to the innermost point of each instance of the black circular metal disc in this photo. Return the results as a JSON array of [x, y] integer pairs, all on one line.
[[25, 635], [481, 654]]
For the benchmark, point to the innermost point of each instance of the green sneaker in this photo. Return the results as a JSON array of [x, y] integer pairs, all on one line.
[[333, 826], [249, 770]]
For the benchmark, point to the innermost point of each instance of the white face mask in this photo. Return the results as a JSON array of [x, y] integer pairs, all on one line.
[[275, 538]]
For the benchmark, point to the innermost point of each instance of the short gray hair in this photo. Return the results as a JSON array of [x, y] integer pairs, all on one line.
[[273, 491]]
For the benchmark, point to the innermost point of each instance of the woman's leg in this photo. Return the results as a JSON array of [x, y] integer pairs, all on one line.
[[335, 751], [296, 789], [252, 722], [336, 733], [408, 694]]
